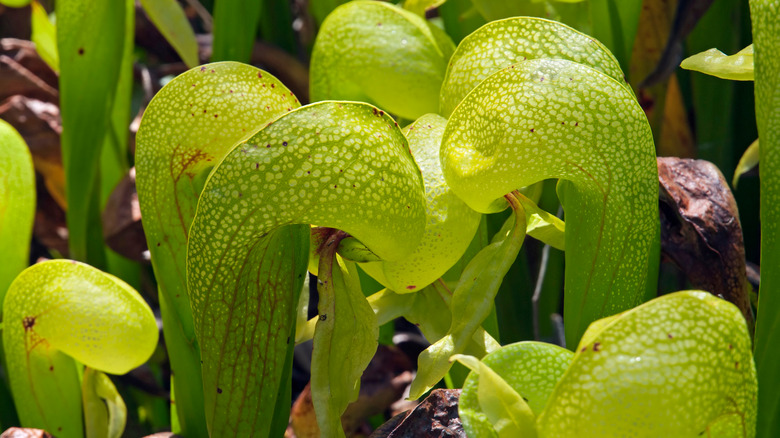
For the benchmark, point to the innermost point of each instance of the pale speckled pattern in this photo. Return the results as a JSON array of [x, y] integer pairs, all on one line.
[[670, 367], [60, 310], [450, 224], [379, 53], [187, 128], [766, 44], [500, 43], [532, 369], [335, 164], [544, 119]]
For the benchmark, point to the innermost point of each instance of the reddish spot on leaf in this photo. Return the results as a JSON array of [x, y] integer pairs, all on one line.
[[597, 346], [28, 322], [259, 74], [219, 390], [81, 51], [411, 286]]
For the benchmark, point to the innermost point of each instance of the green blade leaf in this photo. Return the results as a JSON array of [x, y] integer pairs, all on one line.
[[379, 53], [105, 413], [577, 124], [235, 28], [90, 39], [62, 310], [344, 343], [496, 45], [748, 161], [187, 128], [472, 302], [542, 225], [450, 226], [737, 67], [310, 166], [766, 43], [169, 18], [17, 205], [506, 410], [679, 365], [44, 35], [532, 369]]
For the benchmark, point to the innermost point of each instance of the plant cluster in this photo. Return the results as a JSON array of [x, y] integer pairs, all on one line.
[[411, 142]]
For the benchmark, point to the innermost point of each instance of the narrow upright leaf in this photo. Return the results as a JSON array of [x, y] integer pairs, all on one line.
[[90, 41], [169, 18], [44, 35], [235, 27], [766, 42], [344, 343]]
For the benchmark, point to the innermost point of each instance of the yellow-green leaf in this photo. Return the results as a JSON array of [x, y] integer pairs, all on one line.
[[553, 118], [44, 35], [59, 312], [188, 127], [450, 225], [345, 340], [748, 161], [532, 369], [679, 365], [314, 165], [17, 205], [737, 67], [498, 44], [376, 52], [507, 412], [105, 413]]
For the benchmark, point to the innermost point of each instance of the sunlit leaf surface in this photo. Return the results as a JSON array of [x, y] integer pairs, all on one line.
[[737, 67]]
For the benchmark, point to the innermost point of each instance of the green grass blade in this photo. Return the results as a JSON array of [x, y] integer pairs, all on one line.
[[90, 38], [235, 28], [766, 42], [169, 18], [59, 312], [44, 35], [188, 127], [17, 205], [615, 23]]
